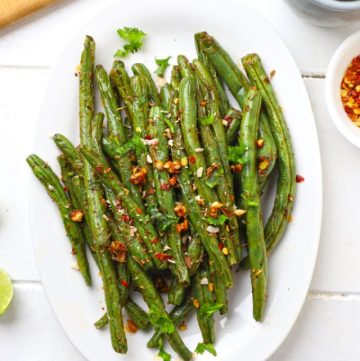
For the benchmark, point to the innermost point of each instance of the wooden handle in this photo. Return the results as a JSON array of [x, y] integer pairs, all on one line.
[[12, 10]]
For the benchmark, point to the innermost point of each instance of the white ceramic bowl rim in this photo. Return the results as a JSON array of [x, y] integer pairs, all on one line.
[[334, 75], [338, 5]]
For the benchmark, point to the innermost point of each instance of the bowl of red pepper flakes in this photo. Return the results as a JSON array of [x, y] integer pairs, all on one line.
[[342, 88], [350, 91]]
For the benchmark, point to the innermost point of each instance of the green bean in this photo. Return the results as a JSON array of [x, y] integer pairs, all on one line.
[[94, 206], [102, 322], [251, 202], [70, 152], [160, 153], [142, 70], [229, 233], [55, 190], [116, 130], [286, 186], [233, 117], [176, 292], [233, 78], [204, 297], [218, 86], [157, 309], [197, 222]]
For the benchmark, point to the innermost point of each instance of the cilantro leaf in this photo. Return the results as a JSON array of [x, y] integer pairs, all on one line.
[[135, 143], [160, 322], [202, 347], [208, 310], [162, 64], [217, 221], [164, 355], [165, 221], [134, 38], [237, 154], [208, 120]]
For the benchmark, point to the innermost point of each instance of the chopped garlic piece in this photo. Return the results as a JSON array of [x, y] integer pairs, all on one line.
[[199, 172], [212, 229], [148, 158]]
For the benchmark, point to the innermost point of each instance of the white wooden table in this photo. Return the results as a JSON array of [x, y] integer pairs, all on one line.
[[329, 325]]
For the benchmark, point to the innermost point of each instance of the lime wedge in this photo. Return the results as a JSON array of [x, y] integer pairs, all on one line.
[[6, 291]]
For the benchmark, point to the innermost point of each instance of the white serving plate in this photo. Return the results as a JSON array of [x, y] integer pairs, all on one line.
[[170, 27]]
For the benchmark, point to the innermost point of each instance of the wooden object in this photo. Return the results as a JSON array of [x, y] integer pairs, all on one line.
[[12, 10]]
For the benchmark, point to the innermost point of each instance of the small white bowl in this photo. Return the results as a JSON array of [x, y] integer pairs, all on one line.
[[343, 56]]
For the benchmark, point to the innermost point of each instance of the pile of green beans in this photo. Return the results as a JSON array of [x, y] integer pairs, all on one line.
[[168, 197]]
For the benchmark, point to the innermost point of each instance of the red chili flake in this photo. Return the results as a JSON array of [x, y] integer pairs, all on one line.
[[221, 246], [299, 179], [139, 211], [148, 137], [107, 170], [188, 261], [165, 187], [228, 118], [125, 218], [350, 91], [192, 159], [151, 190], [66, 189], [163, 256], [155, 241], [124, 283], [99, 168]]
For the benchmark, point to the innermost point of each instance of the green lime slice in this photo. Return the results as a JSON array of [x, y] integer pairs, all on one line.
[[6, 291]]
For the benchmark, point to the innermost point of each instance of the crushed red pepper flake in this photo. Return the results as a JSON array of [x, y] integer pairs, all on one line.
[[299, 178], [125, 218], [192, 159], [155, 241], [124, 283], [165, 187], [163, 256], [229, 119], [350, 91]]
